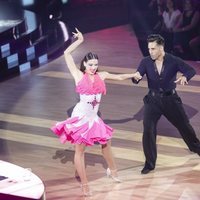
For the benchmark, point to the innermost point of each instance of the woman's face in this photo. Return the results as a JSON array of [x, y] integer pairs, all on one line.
[[170, 4], [188, 5], [91, 66]]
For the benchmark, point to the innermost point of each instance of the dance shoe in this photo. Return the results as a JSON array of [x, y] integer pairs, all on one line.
[[146, 170], [110, 173], [86, 190]]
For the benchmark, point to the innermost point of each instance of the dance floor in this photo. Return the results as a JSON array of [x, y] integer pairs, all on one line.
[[32, 102]]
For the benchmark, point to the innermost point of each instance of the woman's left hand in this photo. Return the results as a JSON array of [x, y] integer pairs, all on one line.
[[78, 35]]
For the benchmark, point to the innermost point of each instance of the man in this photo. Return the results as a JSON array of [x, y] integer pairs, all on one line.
[[162, 99]]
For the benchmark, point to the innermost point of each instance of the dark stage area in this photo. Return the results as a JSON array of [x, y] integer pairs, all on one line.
[[33, 33], [37, 90]]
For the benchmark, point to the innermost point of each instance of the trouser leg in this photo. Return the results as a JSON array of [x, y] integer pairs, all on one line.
[[175, 113], [152, 114]]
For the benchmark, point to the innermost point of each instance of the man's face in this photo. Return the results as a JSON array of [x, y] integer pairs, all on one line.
[[155, 50]]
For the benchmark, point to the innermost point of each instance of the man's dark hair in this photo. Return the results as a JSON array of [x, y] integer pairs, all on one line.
[[156, 38]]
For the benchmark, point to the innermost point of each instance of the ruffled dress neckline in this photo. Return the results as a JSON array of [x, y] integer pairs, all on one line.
[[87, 86]]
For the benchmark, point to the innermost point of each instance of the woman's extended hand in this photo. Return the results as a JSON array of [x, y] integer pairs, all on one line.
[[78, 35], [137, 76]]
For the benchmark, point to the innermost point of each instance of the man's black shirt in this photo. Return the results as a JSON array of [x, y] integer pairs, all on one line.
[[165, 80]]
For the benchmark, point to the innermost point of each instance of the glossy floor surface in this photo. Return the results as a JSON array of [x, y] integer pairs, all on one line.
[[33, 101]]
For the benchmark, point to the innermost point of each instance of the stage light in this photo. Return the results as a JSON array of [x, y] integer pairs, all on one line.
[[30, 53], [5, 50], [25, 67], [64, 1], [12, 61], [43, 59], [27, 2]]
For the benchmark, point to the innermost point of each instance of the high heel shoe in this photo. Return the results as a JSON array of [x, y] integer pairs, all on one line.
[[109, 174], [86, 190]]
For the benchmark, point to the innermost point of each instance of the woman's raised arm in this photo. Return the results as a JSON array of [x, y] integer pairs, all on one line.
[[76, 73]]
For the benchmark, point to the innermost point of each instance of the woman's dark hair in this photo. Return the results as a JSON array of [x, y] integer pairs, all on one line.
[[156, 38], [88, 56], [175, 5]]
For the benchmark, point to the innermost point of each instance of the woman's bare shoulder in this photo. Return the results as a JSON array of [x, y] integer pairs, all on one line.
[[103, 74]]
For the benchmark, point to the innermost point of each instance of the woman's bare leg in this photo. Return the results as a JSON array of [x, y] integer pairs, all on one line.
[[79, 161], [108, 156]]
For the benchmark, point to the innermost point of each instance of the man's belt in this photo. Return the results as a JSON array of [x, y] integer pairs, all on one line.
[[162, 93]]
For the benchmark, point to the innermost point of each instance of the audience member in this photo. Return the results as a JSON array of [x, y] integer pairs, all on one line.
[[195, 46], [186, 29], [155, 9], [144, 15], [170, 17]]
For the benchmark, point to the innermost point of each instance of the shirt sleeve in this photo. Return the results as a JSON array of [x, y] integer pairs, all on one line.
[[186, 69], [141, 70]]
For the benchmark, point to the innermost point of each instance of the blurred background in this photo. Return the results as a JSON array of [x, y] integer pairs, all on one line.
[[34, 32]]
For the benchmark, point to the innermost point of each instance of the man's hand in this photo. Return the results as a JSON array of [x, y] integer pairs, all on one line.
[[137, 76], [182, 80]]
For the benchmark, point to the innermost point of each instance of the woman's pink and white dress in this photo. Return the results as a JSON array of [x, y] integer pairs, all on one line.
[[85, 126]]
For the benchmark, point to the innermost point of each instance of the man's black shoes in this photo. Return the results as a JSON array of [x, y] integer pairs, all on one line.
[[146, 170]]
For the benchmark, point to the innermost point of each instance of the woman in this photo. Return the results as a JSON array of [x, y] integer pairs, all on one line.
[[186, 29], [170, 17], [85, 127], [195, 47]]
